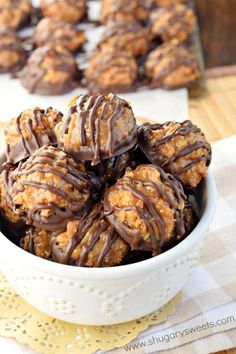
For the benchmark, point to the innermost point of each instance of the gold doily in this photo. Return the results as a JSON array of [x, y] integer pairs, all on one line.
[[47, 335]]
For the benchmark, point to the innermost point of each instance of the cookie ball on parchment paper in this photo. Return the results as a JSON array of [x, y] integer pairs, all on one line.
[[66, 10], [50, 70], [12, 54], [170, 66], [57, 32], [175, 23], [111, 70]]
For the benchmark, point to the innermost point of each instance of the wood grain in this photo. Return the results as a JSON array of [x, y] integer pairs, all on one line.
[[214, 112], [218, 26]]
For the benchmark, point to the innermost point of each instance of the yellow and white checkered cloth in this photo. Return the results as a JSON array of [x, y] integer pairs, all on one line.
[[205, 321]]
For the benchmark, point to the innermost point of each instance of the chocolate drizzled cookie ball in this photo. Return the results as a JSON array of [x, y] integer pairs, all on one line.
[[31, 130], [50, 70], [146, 208], [170, 67], [179, 148], [97, 127], [125, 10], [175, 23], [14, 13], [190, 217], [111, 70], [37, 241], [90, 242], [56, 32], [66, 10], [6, 206], [50, 188], [12, 54], [127, 36]]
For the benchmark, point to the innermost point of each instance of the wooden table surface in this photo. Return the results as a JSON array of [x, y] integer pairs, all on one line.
[[214, 112]]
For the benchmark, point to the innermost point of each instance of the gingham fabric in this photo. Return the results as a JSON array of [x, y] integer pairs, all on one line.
[[205, 321]]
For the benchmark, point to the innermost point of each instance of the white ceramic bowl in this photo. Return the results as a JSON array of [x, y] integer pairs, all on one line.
[[102, 296]]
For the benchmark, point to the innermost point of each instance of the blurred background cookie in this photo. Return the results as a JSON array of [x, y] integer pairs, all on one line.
[[66, 10], [175, 23], [170, 67], [127, 36], [111, 70], [126, 10], [50, 70], [14, 13], [12, 54], [57, 32]]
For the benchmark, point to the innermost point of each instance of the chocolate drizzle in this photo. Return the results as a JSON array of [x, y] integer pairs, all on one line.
[[90, 227], [90, 113], [153, 152], [148, 213], [46, 160], [29, 140]]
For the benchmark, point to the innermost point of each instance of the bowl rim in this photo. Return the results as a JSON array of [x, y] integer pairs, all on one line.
[[127, 270]]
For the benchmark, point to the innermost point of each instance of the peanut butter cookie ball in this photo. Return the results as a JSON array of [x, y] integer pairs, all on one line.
[[175, 23], [12, 54], [14, 13], [50, 188], [31, 130], [50, 70], [111, 70], [97, 127], [127, 36], [90, 242], [66, 10], [179, 148], [56, 32], [125, 10], [170, 67], [146, 208]]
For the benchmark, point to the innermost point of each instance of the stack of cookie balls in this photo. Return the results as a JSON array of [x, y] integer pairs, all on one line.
[[94, 189], [145, 44], [49, 64]]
